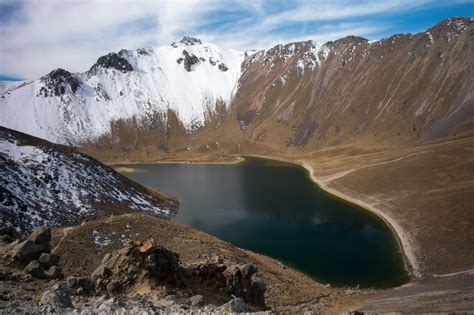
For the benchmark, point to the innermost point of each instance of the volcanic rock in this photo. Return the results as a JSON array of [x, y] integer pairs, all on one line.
[[48, 260], [41, 236], [134, 263], [8, 234], [35, 269], [26, 251], [54, 272]]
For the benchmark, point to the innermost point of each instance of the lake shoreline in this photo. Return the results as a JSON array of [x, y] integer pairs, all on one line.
[[403, 241]]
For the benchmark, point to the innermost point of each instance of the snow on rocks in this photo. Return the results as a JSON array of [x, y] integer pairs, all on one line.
[[74, 108], [308, 54], [43, 184]]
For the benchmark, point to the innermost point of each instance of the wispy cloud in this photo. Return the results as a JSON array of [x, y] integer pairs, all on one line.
[[39, 35]]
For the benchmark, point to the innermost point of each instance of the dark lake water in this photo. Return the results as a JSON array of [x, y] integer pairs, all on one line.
[[275, 209]]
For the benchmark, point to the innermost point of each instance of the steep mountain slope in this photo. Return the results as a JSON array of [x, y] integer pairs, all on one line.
[[405, 89], [401, 90], [46, 184], [188, 78]]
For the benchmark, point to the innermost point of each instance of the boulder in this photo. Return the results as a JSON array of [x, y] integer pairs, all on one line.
[[257, 292], [56, 298], [48, 260], [26, 251], [35, 269], [41, 236], [236, 305], [241, 282], [54, 272], [71, 282], [121, 269], [82, 286], [196, 300]]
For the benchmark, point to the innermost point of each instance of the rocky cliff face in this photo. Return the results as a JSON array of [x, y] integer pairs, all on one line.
[[46, 184], [403, 90]]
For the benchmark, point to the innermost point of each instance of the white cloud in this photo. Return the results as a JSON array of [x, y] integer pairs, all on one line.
[[41, 35]]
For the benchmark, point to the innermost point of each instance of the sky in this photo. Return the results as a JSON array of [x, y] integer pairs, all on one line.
[[37, 36]]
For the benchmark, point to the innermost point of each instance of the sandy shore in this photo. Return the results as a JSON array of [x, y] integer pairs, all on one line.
[[403, 239], [124, 169], [118, 166]]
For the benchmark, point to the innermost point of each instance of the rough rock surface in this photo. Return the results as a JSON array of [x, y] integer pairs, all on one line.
[[26, 251], [137, 264], [8, 234], [59, 82], [140, 277], [122, 269]]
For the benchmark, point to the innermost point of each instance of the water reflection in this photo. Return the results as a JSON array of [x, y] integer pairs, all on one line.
[[274, 208]]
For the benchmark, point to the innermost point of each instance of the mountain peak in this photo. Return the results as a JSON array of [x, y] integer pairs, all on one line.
[[457, 23], [448, 28], [187, 41]]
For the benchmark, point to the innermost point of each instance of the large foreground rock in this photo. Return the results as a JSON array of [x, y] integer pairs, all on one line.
[[242, 283], [42, 236], [134, 263], [56, 297], [156, 267], [37, 243], [26, 251]]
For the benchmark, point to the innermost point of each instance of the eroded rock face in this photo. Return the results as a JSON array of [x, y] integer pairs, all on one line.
[[242, 283], [59, 82], [189, 60], [113, 61], [148, 263], [135, 263]]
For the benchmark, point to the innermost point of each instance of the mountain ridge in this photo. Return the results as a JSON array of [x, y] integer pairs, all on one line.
[[146, 89]]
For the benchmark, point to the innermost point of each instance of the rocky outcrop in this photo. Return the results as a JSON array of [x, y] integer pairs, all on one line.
[[189, 60], [57, 296], [112, 61], [26, 251], [242, 283], [187, 41], [222, 67], [59, 82], [136, 263], [147, 263]]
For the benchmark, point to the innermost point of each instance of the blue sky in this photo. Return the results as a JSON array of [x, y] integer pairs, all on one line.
[[37, 36]]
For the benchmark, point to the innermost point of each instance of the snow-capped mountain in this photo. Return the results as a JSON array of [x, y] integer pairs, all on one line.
[[47, 184], [188, 77], [401, 90]]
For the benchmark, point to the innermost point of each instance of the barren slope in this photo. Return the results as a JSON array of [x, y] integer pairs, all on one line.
[[47, 184]]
